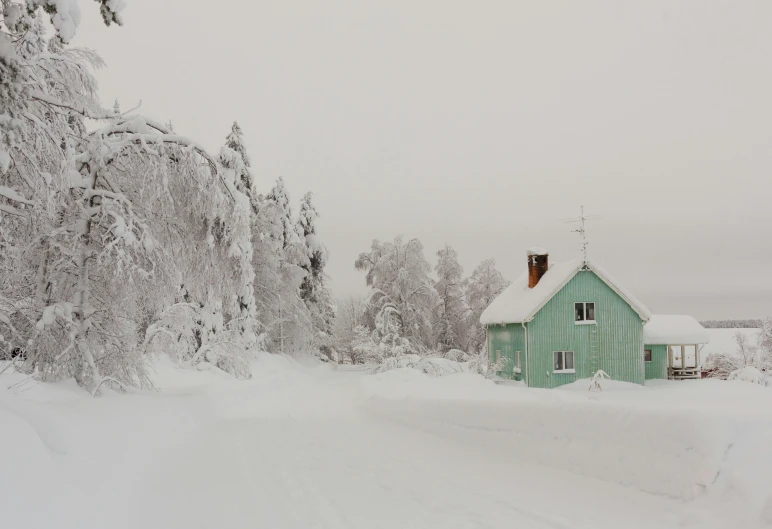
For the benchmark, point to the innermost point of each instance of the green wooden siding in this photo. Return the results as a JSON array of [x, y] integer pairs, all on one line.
[[619, 333], [657, 368], [508, 339]]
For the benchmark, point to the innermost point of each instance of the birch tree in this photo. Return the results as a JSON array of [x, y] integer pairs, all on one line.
[[450, 310], [402, 296], [481, 288]]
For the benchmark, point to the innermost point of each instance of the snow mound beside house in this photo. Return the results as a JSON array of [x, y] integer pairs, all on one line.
[[748, 374]]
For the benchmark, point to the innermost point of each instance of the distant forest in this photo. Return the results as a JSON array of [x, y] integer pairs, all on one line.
[[731, 324]]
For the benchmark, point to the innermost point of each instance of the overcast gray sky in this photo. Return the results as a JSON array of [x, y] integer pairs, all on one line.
[[485, 124]]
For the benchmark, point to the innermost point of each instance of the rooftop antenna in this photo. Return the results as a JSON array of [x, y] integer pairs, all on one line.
[[581, 229]]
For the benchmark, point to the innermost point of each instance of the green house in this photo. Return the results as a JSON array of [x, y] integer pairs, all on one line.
[[563, 322]]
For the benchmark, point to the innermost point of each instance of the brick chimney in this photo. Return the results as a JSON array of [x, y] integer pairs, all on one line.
[[537, 265]]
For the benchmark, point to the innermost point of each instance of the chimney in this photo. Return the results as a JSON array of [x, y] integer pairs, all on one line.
[[537, 265]]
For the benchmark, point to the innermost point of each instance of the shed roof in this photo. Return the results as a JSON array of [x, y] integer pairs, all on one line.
[[518, 303], [674, 330]]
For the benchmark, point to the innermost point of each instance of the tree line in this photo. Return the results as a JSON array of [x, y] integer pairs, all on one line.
[[129, 238], [732, 324], [409, 311]]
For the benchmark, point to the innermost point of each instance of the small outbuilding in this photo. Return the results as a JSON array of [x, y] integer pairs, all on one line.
[[561, 322]]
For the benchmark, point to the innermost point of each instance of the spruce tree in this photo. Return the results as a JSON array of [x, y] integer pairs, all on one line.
[[313, 290], [234, 156]]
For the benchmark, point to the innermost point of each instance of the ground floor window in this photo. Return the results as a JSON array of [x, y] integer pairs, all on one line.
[[647, 355], [564, 362]]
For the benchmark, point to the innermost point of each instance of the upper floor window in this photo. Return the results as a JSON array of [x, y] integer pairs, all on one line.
[[584, 312]]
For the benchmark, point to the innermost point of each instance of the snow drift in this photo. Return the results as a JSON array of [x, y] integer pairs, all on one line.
[[657, 451], [748, 374]]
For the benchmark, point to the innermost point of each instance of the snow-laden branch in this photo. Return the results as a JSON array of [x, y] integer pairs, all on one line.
[[12, 210], [44, 98], [10, 194]]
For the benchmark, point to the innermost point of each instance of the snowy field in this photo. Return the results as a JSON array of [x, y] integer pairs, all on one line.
[[312, 447], [722, 341]]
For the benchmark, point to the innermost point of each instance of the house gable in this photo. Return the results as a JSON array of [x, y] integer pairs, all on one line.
[[617, 333], [519, 303]]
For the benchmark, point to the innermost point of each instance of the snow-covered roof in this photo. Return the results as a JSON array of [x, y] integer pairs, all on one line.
[[674, 330], [518, 303]]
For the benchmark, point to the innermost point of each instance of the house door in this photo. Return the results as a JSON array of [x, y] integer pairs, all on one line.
[[508, 359], [690, 356], [676, 357]]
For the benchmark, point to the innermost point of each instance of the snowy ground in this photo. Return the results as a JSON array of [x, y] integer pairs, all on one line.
[[309, 447]]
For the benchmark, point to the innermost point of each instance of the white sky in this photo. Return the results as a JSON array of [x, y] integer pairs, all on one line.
[[484, 124]]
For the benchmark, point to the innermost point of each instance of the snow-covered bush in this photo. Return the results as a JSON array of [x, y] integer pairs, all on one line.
[[748, 374], [432, 366], [440, 365], [721, 365], [191, 333], [597, 378], [457, 355]]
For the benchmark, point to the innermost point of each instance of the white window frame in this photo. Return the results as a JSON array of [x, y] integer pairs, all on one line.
[[563, 354], [584, 311], [651, 356], [518, 368]]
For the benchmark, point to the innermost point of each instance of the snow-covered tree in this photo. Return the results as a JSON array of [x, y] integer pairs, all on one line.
[[450, 311], [279, 202], [364, 349], [280, 268], [484, 285], [313, 289], [233, 156], [128, 238], [129, 211], [402, 296], [349, 314], [65, 14], [765, 338]]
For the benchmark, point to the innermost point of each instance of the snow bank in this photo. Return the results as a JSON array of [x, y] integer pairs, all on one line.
[[27, 463], [748, 374], [658, 451], [582, 385], [407, 382]]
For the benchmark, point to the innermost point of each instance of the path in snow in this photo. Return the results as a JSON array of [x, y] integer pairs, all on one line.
[[314, 457]]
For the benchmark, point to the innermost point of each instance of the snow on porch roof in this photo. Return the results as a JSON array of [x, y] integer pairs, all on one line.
[[518, 303], [674, 330]]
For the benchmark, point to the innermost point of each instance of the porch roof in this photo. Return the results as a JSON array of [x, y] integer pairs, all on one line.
[[674, 330]]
